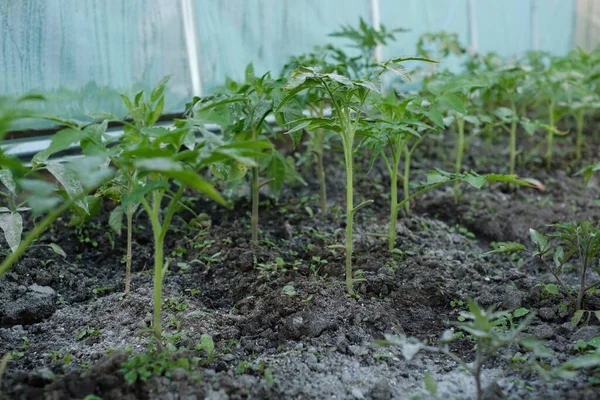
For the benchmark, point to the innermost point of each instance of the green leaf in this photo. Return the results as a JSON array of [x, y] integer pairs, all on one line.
[[194, 181], [12, 226], [540, 241], [477, 181], [519, 312], [115, 219], [158, 110], [58, 250], [576, 316], [276, 171], [6, 177], [229, 170], [157, 92], [69, 181], [158, 164], [454, 102], [551, 288], [430, 384], [464, 83]]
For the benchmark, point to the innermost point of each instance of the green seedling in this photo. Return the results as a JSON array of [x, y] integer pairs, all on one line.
[[510, 92], [581, 240], [483, 326], [208, 346], [247, 106], [347, 97], [365, 39], [155, 154], [581, 94], [389, 134], [550, 81], [454, 97]]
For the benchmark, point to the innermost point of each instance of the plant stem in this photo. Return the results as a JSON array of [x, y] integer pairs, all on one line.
[[319, 143], [477, 373], [255, 192], [394, 202], [129, 244], [406, 180], [579, 140], [321, 172], [35, 233], [459, 152], [550, 135], [349, 212], [158, 267], [513, 147]]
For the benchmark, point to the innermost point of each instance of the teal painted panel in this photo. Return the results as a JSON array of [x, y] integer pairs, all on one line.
[[234, 33], [503, 26], [82, 53], [555, 25]]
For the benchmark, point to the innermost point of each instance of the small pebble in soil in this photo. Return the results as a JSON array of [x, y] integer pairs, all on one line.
[[547, 314], [542, 331]]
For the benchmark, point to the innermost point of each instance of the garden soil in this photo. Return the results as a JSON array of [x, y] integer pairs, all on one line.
[[281, 322]]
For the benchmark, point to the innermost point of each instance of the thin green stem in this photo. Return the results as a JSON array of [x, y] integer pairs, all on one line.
[[513, 146], [550, 134], [393, 207], [349, 215], [255, 193], [459, 152], [579, 139], [322, 185], [129, 247]]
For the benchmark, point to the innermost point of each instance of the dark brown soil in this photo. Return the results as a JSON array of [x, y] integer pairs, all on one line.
[[317, 341]]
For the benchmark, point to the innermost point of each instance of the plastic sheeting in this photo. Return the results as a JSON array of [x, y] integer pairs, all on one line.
[[82, 53]]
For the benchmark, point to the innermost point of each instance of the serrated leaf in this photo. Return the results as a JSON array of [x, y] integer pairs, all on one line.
[[58, 250], [115, 220], [157, 92], [67, 179], [540, 240], [6, 177], [437, 177], [194, 181], [476, 181], [507, 247], [12, 226], [454, 102]]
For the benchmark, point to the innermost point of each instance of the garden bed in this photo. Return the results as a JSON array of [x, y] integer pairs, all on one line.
[[281, 322]]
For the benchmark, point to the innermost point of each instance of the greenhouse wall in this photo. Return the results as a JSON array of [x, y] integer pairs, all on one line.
[[82, 53]]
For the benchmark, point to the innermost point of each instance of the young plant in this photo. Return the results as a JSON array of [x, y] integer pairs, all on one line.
[[454, 97], [76, 178], [511, 95], [581, 94], [347, 98], [365, 38], [396, 124], [144, 113], [551, 82], [487, 329], [580, 240], [249, 105]]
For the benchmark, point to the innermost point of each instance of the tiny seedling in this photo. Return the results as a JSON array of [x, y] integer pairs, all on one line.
[[576, 240], [484, 327]]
